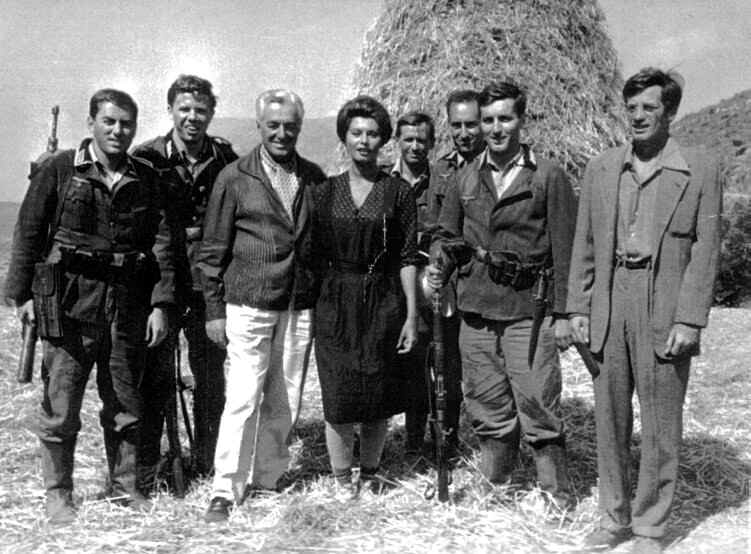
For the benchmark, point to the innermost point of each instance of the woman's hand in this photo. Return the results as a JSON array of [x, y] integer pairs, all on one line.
[[408, 336]]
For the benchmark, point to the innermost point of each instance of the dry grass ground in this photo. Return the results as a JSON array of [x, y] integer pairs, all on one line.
[[712, 512]]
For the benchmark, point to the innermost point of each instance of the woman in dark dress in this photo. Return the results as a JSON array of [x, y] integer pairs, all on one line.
[[365, 245]]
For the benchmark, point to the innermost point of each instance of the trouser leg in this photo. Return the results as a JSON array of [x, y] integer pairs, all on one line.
[[416, 414], [661, 387], [282, 396], [249, 333], [488, 397], [613, 413], [157, 389], [537, 393], [207, 365], [66, 365]]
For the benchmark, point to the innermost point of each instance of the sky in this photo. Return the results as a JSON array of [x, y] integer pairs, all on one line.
[[61, 51]]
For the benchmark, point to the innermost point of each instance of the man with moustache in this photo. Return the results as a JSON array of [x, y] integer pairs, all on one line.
[[259, 299], [188, 160], [92, 266], [642, 273], [516, 211]]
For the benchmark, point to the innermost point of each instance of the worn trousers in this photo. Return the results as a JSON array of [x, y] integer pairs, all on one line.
[[630, 362], [118, 352], [267, 353], [206, 361], [502, 394]]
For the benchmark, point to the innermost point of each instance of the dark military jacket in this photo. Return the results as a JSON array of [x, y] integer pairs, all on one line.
[[188, 195], [534, 219], [70, 212]]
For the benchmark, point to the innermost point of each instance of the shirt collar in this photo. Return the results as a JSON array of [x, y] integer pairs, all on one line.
[[396, 171], [86, 157], [524, 158], [177, 146], [670, 157]]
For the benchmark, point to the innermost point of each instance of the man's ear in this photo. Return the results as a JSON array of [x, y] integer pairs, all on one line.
[[89, 122]]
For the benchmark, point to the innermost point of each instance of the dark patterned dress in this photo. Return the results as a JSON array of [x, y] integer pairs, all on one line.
[[361, 306]]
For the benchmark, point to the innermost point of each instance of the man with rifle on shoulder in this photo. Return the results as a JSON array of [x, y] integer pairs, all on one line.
[[92, 266], [516, 214], [188, 160]]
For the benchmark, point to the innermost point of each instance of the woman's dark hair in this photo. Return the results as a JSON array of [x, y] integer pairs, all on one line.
[[363, 106]]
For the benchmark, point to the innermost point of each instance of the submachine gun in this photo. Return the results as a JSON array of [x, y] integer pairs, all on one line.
[[29, 330]]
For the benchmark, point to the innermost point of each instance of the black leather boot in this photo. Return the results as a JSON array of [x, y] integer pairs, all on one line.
[[123, 477], [552, 471], [498, 457], [57, 472]]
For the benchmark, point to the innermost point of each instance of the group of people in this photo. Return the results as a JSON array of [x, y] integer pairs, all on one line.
[[115, 253]]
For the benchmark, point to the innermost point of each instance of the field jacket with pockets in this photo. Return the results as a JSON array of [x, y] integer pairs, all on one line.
[[68, 208], [534, 218], [252, 247]]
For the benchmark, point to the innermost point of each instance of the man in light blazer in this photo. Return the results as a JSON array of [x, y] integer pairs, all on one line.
[[640, 287]]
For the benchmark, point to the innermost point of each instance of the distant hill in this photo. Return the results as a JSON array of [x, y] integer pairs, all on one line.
[[317, 141], [725, 130]]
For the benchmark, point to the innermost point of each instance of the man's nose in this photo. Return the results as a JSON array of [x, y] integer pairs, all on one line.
[[117, 128]]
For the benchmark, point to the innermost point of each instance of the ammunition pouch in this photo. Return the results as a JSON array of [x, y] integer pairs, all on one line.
[[46, 288], [505, 268]]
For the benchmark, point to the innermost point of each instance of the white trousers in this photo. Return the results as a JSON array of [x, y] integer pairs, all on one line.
[[267, 359]]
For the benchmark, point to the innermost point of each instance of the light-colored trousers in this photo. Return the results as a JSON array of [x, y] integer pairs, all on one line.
[[267, 359]]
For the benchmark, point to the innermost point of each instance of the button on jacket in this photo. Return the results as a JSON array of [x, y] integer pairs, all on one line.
[[188, 194], [534, 218], [91, 218], [250, 242]]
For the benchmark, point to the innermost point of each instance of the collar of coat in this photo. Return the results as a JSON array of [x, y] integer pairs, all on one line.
[[524, 158], [670, 157], [83, 160]]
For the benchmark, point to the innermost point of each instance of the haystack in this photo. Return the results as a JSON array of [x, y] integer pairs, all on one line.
[[558, 50]]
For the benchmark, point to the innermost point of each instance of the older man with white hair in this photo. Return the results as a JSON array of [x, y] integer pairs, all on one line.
[[259, 299]]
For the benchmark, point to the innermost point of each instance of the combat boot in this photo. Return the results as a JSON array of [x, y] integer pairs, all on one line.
[[57, 473], [123, 480], [552, 471], [498, 457]]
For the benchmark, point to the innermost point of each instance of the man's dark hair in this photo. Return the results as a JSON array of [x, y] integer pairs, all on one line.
[[119, 98], [463, 96], [192, 85], [501, 91], [363, 106], [413, 119], [649, 77]]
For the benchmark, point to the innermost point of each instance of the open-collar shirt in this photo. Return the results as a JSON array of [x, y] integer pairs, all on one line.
[[503, 177], [283, 178]]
